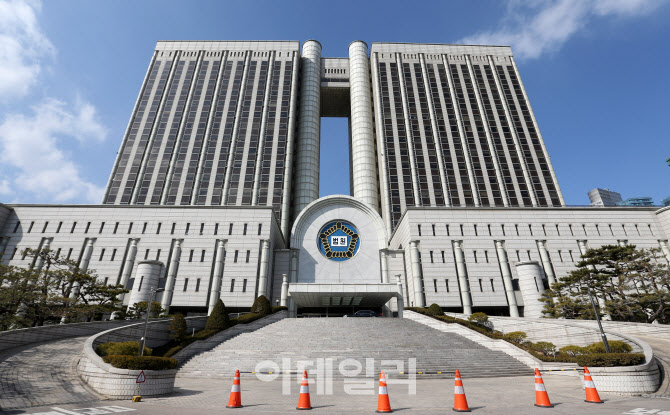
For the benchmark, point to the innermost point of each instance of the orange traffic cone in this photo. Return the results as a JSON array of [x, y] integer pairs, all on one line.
[[383, 403], [235, 400], [591, 392], [303, 400], [541, 396], [460, 402]]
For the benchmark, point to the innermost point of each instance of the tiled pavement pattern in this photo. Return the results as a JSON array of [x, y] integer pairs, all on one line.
[[353, 338], [42, 374], [486, 396]]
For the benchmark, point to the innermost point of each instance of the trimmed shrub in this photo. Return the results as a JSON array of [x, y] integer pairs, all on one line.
[[121, 349], [261, 306], [435, 310], [572, 351], [610, 359], [248, 318], [218, 320], [278, 308], [141, 362], [478, 318], [616, 346], [546, 348], [518, 337], [178, 327]]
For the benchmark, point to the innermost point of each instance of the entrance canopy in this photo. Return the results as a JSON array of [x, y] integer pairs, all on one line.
[[342, 295]]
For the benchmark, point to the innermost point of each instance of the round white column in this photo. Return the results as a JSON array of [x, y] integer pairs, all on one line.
[[507, 279], [530, 275], [292, 308], [462, 272], [417, 276], [147, 276], [128, 266], [364, 172], [283, 301], [172, 275], [546, 261], [306, 188], [218, 275], [399, 298], [39, 262], [263, 272]]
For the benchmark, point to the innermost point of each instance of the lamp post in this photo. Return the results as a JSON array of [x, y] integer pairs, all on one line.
[[602, 333], [146, 320]]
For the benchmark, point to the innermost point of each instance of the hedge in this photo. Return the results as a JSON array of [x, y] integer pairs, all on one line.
[[120, 349], [610, 359], [278, 308], [141, 362]]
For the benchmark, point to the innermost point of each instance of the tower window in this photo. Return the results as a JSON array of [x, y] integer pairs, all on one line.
[[44, 228], [244, 231], [144, 227], [102, 226], [88, 225], [158, 228]]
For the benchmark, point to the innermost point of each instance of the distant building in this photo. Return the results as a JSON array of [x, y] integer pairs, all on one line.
[[666, 201], [604, 197], [637, 201]]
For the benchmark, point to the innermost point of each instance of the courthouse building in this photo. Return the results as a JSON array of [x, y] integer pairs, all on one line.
[[215, 189]]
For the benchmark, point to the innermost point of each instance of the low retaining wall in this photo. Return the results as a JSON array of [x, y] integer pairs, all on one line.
[[624, 380], [120, 383], [21, 337]]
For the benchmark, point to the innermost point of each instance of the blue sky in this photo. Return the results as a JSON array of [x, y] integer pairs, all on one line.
[[595, 72]]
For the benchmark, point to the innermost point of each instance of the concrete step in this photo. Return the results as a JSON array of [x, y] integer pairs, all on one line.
[[340, 339]]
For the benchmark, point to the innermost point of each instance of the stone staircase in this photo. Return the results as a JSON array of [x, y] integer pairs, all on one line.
[[202, 346], [380, 339]]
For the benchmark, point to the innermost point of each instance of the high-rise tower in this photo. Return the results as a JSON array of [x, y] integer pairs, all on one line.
[[238, 124]]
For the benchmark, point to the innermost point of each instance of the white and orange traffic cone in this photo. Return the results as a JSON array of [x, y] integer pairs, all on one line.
[[303, 399], [460, 402], [235, 400], [591, 392], [383, 403], [541, 395]]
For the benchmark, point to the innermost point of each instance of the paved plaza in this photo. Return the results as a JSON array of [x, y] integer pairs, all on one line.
[[434, 396], [43, 374]]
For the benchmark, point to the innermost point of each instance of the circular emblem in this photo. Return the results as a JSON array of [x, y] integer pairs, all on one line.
[[338, 241]]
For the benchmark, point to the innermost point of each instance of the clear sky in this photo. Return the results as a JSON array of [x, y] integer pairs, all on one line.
[[596, 72]]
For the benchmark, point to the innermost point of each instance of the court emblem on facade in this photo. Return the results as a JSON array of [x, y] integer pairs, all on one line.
[[339, 241]]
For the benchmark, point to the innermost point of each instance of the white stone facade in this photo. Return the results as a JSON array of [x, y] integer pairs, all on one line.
[[216, 184]]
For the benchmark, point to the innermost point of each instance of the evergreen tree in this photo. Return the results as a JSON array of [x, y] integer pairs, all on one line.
[[261, 306], [218, 320], [178, 327]]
